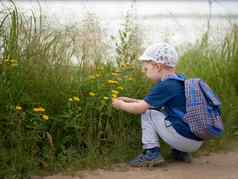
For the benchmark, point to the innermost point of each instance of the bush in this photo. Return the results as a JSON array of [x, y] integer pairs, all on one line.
[[54, 114]]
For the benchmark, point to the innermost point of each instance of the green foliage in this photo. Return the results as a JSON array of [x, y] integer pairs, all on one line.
[[217, 65], [128, 43], [54, 114]]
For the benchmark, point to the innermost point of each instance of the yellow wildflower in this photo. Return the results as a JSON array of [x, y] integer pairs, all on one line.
[[120, 88], [114, 95], [76, 98], [18, 108], [7, 61], [70, 99], [125, 65], [105, 98], [92, 94], [112, 82], [39, 109], [130, 78], [13, 61], [115, 92], [115, 73], [45, 117]]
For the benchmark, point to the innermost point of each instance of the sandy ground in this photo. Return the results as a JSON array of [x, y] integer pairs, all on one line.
[[214, 166]]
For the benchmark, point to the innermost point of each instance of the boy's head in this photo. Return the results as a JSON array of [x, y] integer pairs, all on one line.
[[158, 59]]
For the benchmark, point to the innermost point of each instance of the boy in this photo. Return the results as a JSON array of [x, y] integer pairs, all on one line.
[[159, 61]]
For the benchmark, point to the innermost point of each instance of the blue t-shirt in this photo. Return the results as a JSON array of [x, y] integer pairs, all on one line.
[[170, 95]]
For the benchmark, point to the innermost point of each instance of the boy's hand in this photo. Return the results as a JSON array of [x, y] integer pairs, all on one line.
[[117, 103], [137, 107], [126, 99]]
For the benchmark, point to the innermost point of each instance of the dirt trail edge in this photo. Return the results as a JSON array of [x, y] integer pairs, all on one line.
[[214, 166]]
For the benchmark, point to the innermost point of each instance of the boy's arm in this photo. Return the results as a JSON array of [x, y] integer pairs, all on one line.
[[137, 107], [126, 99]]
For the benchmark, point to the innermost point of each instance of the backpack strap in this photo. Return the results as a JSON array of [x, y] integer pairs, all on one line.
[[209, 94], [204, 87], [176, 77]]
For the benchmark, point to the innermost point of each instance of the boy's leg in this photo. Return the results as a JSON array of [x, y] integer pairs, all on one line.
[[181, 156], [150, 140], [169, 134], [181, 146]]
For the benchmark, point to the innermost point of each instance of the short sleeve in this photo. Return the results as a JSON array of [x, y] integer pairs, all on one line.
[[159, 95]]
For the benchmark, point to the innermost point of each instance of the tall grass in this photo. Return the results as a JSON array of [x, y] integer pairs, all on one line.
[[54, 114], [217, 65]]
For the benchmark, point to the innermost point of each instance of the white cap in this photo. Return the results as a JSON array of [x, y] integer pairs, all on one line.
[[162, 53]]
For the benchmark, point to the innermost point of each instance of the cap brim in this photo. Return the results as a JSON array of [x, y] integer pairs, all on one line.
[[145, 58]]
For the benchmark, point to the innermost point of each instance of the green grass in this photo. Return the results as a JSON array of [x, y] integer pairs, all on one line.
[[36, 71]]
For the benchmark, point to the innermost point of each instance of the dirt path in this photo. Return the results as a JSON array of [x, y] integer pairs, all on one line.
[[214, 166]]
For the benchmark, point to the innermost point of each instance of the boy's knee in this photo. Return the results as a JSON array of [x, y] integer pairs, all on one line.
[[146, 113], [152, 113]]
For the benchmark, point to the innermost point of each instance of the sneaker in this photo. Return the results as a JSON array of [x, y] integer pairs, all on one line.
[[181, 156], [149, 158]]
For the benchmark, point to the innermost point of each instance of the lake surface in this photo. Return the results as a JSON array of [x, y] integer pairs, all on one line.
[[180, 21]]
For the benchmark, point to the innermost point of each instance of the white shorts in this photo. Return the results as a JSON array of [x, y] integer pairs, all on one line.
[[154, 126]]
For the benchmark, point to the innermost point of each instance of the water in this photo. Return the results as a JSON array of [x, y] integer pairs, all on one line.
[[181, 22]]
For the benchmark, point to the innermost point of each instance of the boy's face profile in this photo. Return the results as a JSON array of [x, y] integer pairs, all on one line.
[[152, 71]]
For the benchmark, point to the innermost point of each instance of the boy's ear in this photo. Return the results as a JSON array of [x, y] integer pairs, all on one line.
[[158, 66]]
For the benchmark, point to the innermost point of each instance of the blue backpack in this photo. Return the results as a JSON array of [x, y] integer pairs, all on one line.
[[202, 109]]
